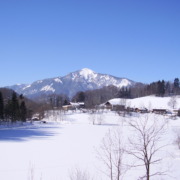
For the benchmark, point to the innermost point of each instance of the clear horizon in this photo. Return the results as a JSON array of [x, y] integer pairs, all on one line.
[[138, 40]]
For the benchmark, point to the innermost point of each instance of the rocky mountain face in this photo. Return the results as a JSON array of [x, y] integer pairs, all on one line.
[[70, 84]]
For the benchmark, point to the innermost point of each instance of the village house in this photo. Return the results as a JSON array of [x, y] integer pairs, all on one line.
[[159, 111], [114, 107], [73, 106]]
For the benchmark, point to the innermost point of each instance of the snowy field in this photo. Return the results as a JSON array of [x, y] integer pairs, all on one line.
[[58, 149]]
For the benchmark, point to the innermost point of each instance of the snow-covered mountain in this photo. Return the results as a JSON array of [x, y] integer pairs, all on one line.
[[82, 80]]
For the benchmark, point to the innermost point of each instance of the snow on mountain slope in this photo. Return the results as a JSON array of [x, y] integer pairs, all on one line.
[[48, 88], [87, 73], [82, 80], [149, 102]]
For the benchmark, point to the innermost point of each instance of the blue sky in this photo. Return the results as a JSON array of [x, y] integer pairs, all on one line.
[[136, 39]]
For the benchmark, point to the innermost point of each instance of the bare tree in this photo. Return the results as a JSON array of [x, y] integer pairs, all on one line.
[[111, 154], [173, 102], [31, 172], [145, 143], [92, 116], [78, 174], [61, 115], [55, 115], [100, 118], [123, 102]]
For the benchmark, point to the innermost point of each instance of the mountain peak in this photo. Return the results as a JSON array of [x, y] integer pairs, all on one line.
[[85, 72]]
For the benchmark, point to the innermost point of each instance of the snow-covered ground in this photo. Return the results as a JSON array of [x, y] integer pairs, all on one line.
[[149, 102], [55, 150]]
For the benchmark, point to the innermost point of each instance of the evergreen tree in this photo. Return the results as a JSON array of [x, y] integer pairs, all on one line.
[[58, 101], [21, 97], [51, 102], [23, 111], [176, 86], [168, 88], [176, 83], [14, 108], [161, 88], [79, 97], [8, 110], [1, 106], [66, 102], [124, 92]]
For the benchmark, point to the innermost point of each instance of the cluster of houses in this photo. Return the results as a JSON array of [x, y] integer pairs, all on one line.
[[118, 107], [115, 107], [73, 106]]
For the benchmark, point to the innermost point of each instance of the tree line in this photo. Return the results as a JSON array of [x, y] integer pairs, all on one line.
[[160, 88], [13, 109]]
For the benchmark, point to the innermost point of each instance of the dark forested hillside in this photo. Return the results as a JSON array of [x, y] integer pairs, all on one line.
[[15, 107]]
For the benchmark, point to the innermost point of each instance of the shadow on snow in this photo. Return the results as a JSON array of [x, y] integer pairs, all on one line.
[[26, 133]]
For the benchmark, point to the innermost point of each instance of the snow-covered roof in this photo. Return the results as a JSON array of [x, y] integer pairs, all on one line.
[[77, 103]]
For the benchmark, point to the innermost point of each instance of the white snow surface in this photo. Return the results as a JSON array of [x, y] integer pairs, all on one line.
[[87, 73], [28, 86], [125, 83], [100, 79], [54, 150], [149, 102], [58, 80], [48, 88]]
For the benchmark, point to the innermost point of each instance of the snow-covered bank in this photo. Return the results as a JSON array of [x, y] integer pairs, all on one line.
[[149, 102]]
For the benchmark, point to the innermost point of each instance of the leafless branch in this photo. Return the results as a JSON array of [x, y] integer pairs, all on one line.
[[145, 142]]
